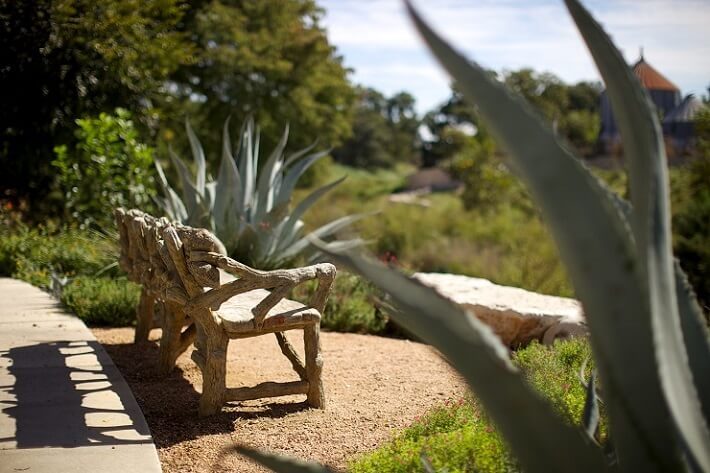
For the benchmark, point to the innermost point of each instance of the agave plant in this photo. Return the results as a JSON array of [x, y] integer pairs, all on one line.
[[648, 337], [247, 207]]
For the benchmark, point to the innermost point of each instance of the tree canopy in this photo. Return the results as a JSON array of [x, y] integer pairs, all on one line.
[[162, 60], [65, 59], [385, 131]]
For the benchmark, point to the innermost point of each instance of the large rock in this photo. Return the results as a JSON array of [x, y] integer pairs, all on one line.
[[517, 316]]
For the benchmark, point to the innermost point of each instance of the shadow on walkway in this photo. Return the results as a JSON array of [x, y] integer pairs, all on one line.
[[64, 384], [170, 403]]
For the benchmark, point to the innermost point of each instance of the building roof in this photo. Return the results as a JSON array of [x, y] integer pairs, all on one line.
[[652, 79], [435, 179], [685, 111]]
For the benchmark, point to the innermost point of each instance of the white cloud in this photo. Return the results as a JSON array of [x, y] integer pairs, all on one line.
[[378, 41]]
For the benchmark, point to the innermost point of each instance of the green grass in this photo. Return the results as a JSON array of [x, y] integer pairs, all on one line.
[[458, 437]]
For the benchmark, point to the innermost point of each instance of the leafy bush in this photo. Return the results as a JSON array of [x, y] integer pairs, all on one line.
[[247, 206], [102, 301], [33, 254], [354, 305], [107, 168], [458, 436], [692, 226]]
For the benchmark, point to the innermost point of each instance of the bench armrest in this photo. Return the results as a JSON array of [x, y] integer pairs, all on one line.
[[280, 281]]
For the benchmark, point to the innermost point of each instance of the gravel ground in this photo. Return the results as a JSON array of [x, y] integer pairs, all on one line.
[[374, 387]]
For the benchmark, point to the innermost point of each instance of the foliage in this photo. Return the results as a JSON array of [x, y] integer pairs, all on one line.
[[446, 237], [64, 59], [458, 436], [573, 109], [354, 305], [102, 301], [692, 226], [247, 206], [266, 59], [34, 254], [647, 335], [107, 168], [384, 131]]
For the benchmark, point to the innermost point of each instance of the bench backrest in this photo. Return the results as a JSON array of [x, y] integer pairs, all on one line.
[[147, 260]]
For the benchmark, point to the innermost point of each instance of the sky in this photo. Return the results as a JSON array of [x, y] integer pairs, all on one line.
[[377, 40]]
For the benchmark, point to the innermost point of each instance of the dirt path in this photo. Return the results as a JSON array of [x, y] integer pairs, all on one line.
[[374, 386]]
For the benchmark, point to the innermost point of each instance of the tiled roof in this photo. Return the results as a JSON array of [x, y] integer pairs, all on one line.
[[651, 78]]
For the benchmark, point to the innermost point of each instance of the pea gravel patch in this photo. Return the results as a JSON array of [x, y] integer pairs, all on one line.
[[374, 386]]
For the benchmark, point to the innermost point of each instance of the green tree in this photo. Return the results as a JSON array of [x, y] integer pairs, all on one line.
[[63, 59], [269, 59], [107, 168], [691, 219], [385, 131]]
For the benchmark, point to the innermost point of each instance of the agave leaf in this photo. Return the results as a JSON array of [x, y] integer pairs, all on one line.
[[172, 203], [590, 415], [282, 464], [695, 334], [191, 196], [199, 155], [288, 232], [598, 253], [294, 173], [693, 325], [292, 158], [540, 439], [246, 165], [268, 173], [314, 255], [210, 193], [650, 221], [324, 231], [228, 199]]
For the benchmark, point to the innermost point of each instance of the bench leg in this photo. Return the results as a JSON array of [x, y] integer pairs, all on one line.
[[144, 316], [314, 366], [170, 341], [214, 370]]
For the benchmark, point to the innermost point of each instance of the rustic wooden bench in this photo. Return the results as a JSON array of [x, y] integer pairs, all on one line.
[[180, 266]]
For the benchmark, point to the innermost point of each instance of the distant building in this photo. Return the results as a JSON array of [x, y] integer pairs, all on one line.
[[432, 179], [677, 116]]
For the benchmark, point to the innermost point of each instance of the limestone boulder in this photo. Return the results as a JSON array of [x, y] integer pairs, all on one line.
[[517, 316]]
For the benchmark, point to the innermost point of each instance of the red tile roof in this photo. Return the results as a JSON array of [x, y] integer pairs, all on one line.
[[651, 78]]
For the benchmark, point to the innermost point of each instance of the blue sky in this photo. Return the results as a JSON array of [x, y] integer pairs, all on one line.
[[378, 42]]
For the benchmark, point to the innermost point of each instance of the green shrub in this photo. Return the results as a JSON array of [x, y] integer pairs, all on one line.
[[354, 305], [102, 301], [33, 254], [107, 168], [458, 436]]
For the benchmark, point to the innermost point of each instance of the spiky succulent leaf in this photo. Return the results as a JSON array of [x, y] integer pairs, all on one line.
[[294, 173], [199, 156], [695, 335], [289, 232], [645, 151], [600, 256], [267, 175], [171, 204], [322, 232], [541, 440], [590, 414]]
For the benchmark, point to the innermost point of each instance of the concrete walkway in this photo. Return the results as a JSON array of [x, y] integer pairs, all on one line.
[[64, 406]]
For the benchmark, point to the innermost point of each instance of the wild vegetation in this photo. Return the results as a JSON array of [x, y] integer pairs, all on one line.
[[101, 93]]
